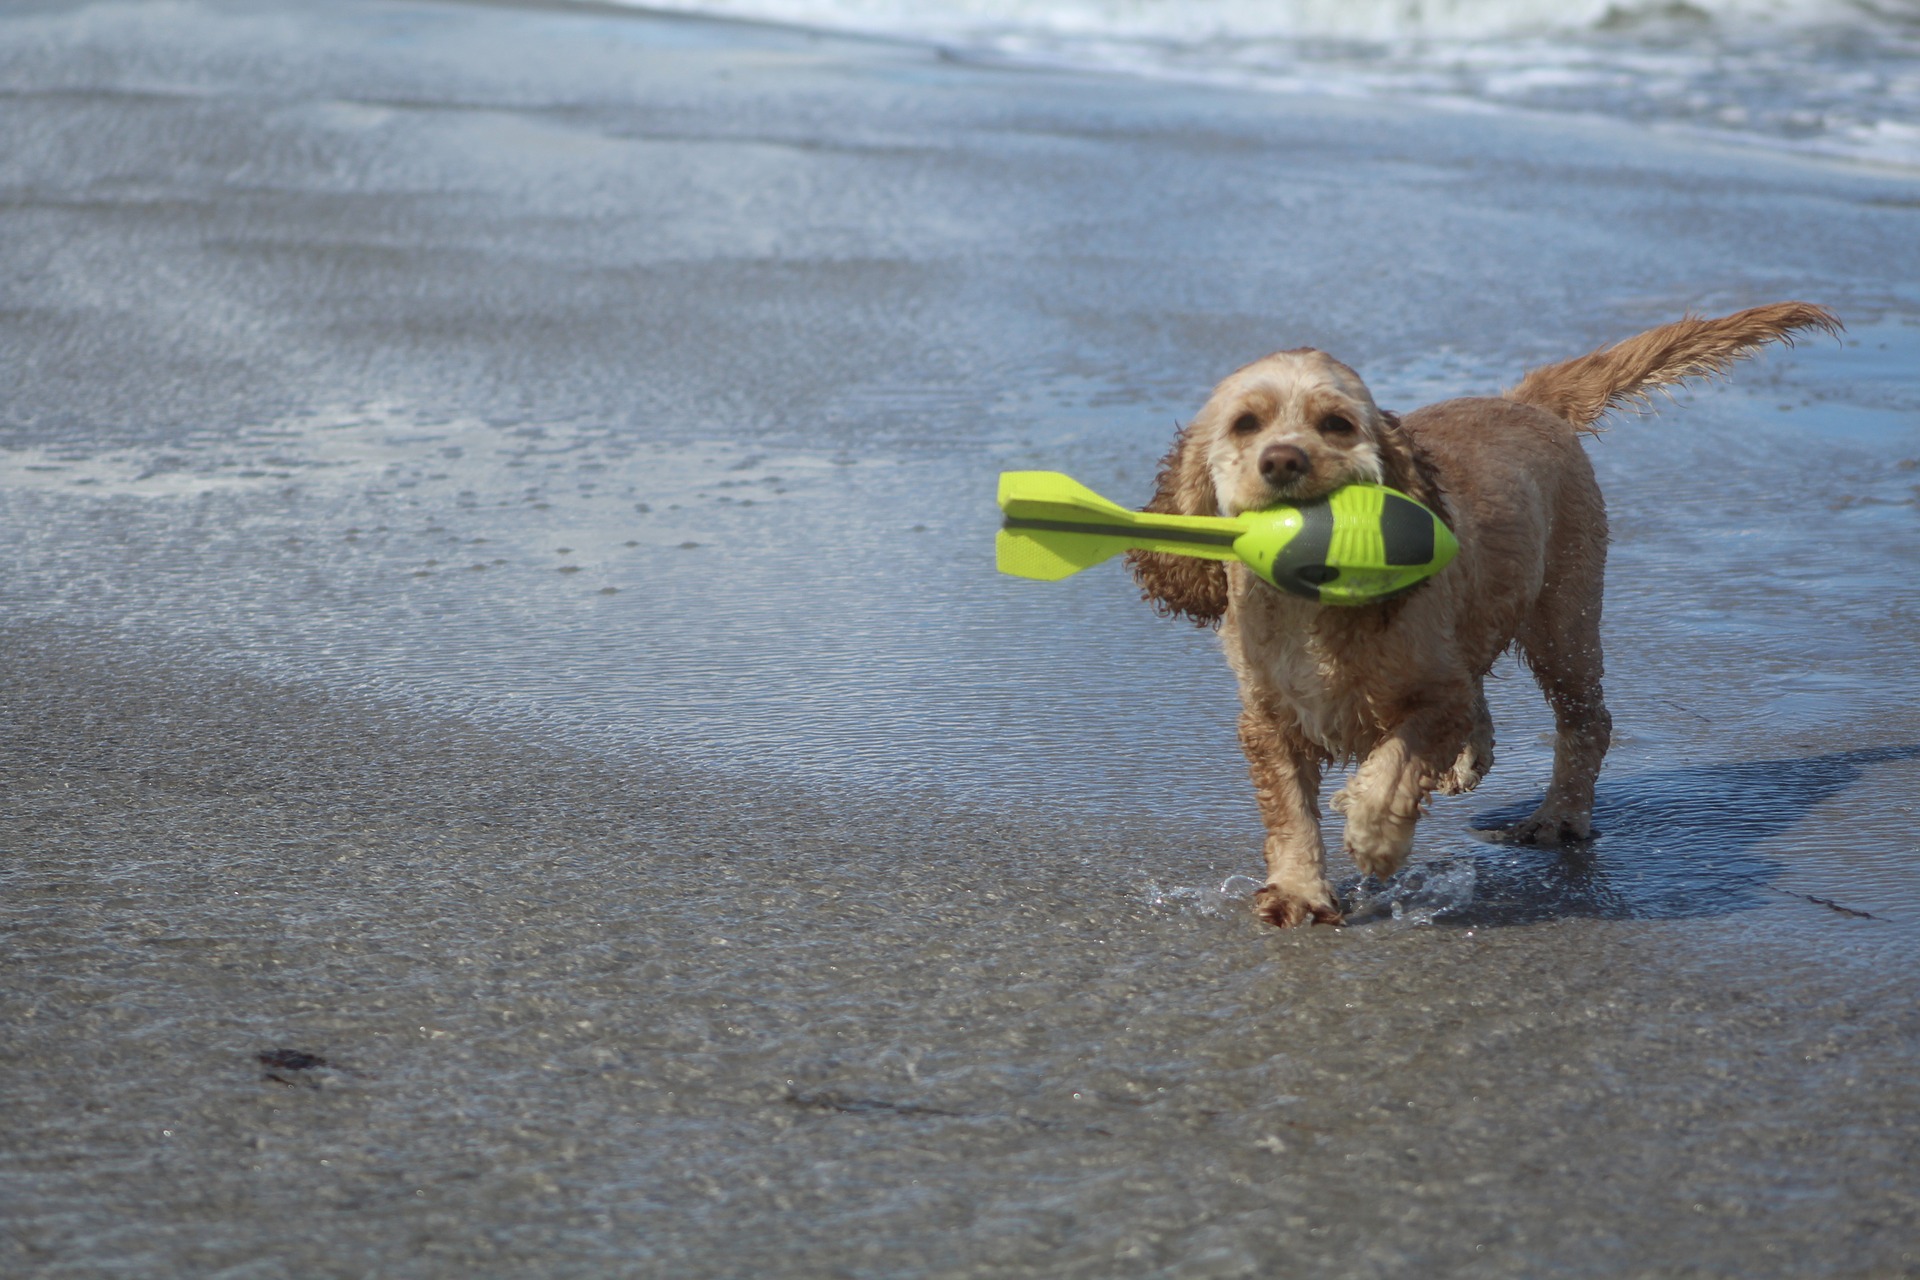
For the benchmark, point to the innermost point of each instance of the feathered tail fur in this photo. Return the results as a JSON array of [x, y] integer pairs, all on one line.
[[1581, 390]]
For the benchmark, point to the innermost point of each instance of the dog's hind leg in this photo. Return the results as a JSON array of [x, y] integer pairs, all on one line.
[[1583, 729], [1561, 643]]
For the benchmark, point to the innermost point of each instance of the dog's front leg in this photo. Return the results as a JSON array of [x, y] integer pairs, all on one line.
[[1286, 779], [1383, 801]]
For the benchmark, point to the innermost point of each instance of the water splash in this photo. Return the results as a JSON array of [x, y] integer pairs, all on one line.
[[1232, 897], [1415, 895]]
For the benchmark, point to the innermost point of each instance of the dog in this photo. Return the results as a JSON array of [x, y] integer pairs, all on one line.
[[1398, 685]]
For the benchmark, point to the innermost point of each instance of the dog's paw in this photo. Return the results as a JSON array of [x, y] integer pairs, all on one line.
[[1462, 778], [1380, 863], [1378, 843], [1284, 910], [1466, 772], [1550, 827]]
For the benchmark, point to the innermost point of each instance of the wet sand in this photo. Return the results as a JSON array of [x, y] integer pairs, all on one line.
[[787, 903], [584, 1019]]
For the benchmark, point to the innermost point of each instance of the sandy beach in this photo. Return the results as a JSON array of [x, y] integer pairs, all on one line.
[[514, 759]]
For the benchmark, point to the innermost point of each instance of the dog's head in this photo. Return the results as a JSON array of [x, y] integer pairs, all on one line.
[[1290, 428]]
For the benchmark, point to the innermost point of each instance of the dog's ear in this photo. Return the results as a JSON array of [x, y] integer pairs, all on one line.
[[1405, 466], [1181, 586]]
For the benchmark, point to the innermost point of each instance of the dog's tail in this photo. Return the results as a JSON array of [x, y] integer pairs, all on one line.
[[1583, 389]]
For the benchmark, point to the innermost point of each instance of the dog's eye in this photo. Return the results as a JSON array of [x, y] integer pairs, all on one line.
[[1335, 425], [1245, 425]]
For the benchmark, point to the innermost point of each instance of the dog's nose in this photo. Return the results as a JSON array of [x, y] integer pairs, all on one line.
[[1281, 463]]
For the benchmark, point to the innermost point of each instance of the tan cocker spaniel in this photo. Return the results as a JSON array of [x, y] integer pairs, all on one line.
[[1397, 685]]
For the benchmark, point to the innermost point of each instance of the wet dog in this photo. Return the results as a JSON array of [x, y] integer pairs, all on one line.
[[1398, 685]]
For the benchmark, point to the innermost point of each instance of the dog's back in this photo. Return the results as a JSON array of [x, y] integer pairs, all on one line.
[[1525, 506]]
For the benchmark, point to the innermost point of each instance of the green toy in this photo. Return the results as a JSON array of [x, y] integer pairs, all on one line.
[[1359, 544]]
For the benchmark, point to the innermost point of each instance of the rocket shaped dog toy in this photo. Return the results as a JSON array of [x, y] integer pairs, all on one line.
[[1359, 544]]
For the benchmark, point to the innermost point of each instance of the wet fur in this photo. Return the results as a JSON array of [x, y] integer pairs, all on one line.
[[1398, 685]]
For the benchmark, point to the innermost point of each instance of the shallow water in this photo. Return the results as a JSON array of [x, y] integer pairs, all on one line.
[[502, 604]]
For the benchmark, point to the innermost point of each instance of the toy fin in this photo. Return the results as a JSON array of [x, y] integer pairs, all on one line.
[[1050, 555], [1056, 526]]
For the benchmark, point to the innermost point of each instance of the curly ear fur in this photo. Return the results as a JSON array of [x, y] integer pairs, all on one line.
[[1181, 586], [1405, 466]]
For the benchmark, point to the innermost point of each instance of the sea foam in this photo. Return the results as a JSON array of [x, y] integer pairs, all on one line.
[[1837, 77]]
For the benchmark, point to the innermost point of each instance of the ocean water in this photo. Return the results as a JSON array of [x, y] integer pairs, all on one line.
[[1837, 77]]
